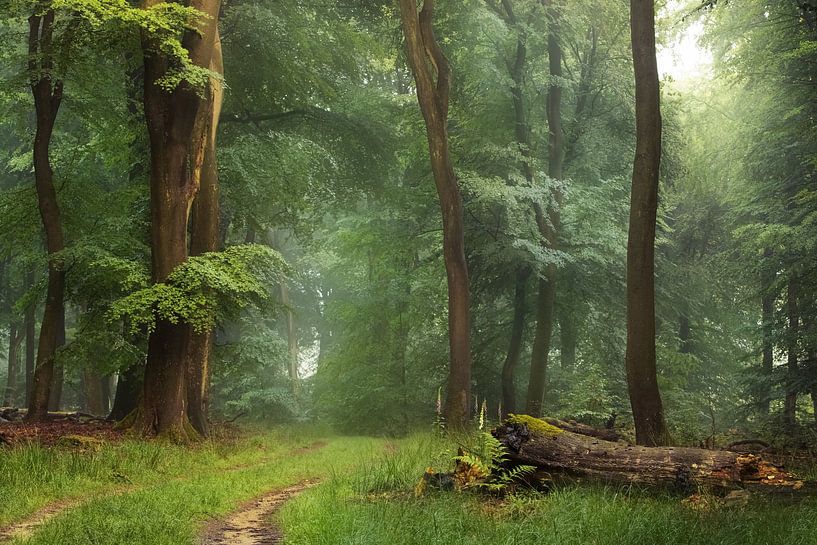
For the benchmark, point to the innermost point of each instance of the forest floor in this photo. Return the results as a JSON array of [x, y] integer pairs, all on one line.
[[302, 486]]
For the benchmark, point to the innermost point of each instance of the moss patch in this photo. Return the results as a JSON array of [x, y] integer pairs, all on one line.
[[535, 425]]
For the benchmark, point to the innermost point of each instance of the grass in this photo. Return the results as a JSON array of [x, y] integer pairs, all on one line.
[[158, 494], [375, 506]]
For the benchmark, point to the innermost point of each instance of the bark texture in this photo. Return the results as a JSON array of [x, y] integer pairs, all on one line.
[[432, 75], [47, 91], [205, 237], [642, 381], [562, 453], [177, 149]]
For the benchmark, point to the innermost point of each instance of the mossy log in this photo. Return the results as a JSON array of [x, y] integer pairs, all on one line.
[[563, 454]]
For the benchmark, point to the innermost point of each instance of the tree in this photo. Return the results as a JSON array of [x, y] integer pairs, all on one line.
[[642, 379], [177, 126], [548, 222], [47, 88], [432, 75]]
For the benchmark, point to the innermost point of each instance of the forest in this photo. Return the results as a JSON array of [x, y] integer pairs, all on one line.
[[408, 272]]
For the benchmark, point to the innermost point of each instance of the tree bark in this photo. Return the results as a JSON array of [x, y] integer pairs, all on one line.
[[432, 76], [562, 453], [47, 93], [792, 365], [92, 386], [55, 398], [128, 387], [205, 237], [177, 148], [642, 381], [516, 342], [549, 223]]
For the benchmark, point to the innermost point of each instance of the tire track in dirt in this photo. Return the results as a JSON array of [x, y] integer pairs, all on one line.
[[250, 524], [30, 524]]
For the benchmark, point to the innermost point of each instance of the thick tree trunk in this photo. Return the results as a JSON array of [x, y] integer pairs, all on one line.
[[177, 148], [792, 365], [205, 237], [565, 454], [128, 388], [768, 298], [642, 380], [516, 342], [432, 76], [548, 221], [47, 94]]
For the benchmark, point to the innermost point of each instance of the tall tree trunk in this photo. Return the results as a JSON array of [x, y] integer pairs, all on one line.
[[432, 75], [15, 337], [568, 339], [548, 222], [768, 298], [205, 237], [55, 399], [292, 338], [178, 137], [47, 93], [516, 341], [792, 365], [642, 380], [31, 338]]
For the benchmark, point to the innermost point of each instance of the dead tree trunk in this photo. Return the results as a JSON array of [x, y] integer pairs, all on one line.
[[642, 380], [432, 74], [564, 454]]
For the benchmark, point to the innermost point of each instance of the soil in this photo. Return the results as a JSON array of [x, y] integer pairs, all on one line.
[[49, 432], [251, 524]]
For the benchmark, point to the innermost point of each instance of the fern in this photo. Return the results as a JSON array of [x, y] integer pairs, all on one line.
[[487, 466]]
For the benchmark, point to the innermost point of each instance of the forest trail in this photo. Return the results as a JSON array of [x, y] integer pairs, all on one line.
[[28, 526], [251, 524]]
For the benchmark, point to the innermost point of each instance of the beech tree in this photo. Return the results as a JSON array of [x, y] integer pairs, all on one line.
[[432, 75], [178, 130], [47, 88], [645, 398]]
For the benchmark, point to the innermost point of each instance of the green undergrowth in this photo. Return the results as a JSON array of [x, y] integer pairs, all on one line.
[[172, 511], [375, 505], [35, 476]]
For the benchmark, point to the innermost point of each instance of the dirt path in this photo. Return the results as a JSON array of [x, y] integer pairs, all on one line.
[[26, 527], [251, 524]]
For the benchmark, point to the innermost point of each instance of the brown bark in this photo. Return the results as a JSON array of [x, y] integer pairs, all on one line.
[[58, 382], [177, 148], [642, 381], [516, 342], [792, 364], [128, 387], [47, 92], [562, 453], [205, 237], [432, 76], [549, 223]]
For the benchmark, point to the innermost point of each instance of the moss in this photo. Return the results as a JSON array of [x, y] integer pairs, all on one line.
[[535, 425], [80, 441]]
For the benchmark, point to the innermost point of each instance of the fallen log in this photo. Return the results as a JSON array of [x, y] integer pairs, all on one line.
[[584, 429], [562, 453]]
